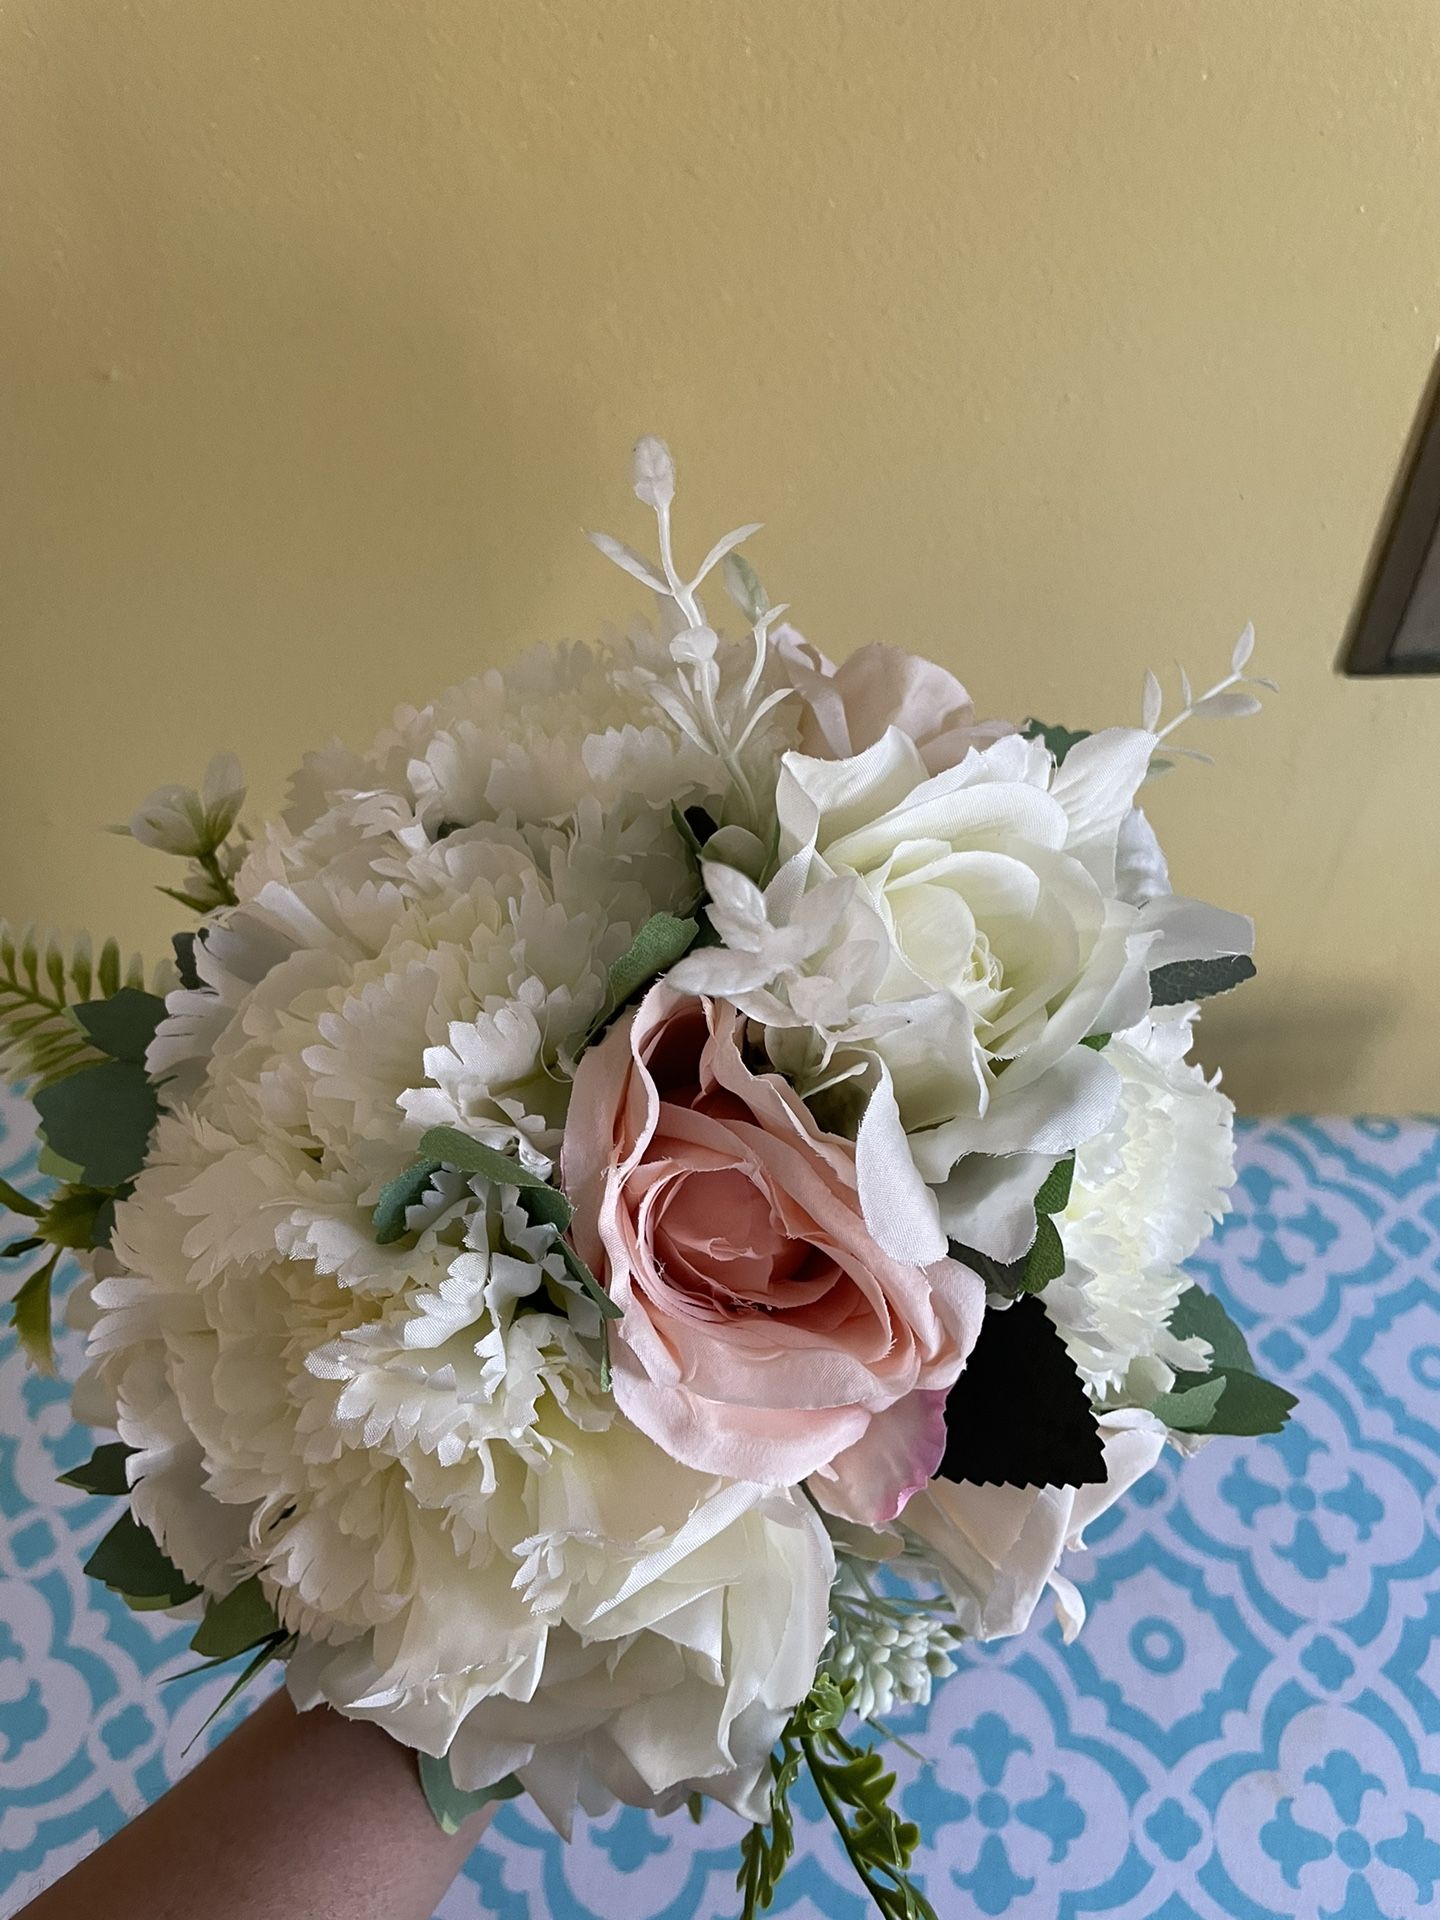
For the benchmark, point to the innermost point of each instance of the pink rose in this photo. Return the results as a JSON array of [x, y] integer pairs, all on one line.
[[849, 707], [764, 1335]]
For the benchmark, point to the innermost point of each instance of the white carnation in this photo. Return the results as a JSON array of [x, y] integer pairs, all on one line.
[[1147, 1190]]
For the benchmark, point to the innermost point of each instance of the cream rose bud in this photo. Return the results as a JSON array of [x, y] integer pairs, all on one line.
[[996, 1549], [764, 1335]]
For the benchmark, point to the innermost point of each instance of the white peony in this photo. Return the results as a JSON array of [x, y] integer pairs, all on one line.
[[1146, 1192], [407, 1442]]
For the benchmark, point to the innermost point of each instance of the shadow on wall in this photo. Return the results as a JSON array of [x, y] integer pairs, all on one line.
[[1313, 1049]]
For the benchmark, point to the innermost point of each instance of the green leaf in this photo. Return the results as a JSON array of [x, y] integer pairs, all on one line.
[[1186, 980], [1199, 1315], [1249, 1405], [236, 1622], [103, 1472], [1059, 740], [278, 1647], [1046, 1259], [123, 1025], [451, 1806], [664, 939], [54, 1168], [182, 945], [131, 1562], [100, 1118], [1054, 1196], [397, 1196], [20, 1203], [39, 983], [544, 1205], [452, 1148], [1190, 1409], [30, 1317], [71, 1217], [17, 1249], [1099, 1041], [1240, 1402]]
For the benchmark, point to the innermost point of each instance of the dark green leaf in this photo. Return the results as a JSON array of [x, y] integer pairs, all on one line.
[[586, 1280], [103, 1472], [124, 1025], [1199, 1315], [183, 947], [17, 1249], [1046, 1259], [1099, 1041], [103, 1228], [1019, 1415], [1059, 740], [235, 1623], [1054, 1196], [1198, 979], [397, 1196], [451, 1806], [30, 1317], [20, 1203], [278, 1647], [100, 1119], [130, 1561]]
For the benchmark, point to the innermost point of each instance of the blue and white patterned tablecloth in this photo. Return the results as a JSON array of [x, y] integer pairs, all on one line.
[[1249, 1728]]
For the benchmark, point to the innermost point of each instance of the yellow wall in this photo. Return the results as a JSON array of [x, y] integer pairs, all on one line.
[[1055, 337]]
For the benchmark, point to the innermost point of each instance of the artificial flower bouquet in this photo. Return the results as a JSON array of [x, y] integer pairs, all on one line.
[[650, 1206]]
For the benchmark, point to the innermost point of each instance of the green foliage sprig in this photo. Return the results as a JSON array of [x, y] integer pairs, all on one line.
[[40, 985], [854, 1788]]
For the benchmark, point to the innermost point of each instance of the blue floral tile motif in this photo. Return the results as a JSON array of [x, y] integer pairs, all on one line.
[[1248, 1728]]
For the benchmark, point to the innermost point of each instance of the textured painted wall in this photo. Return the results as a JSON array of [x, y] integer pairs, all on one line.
[[1054, 339]]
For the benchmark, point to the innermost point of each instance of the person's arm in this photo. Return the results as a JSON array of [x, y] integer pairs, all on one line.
[[297, 1816]]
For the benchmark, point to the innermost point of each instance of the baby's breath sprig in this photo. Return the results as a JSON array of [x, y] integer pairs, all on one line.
[[692, 699]]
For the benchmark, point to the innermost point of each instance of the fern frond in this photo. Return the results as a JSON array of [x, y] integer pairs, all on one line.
[[40, 980]]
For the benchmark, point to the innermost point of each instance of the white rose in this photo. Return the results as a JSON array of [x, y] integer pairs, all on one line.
[[996, 1549], [1002, 891]]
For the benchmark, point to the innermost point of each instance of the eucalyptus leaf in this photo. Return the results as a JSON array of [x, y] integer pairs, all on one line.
[[455, 1149], [103, 1472], [450, 1804], [664, 939], [1190, 1409], [1183, 980], [131, 1562], [397, 1196], [101, 1119], [1249, 1406]]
